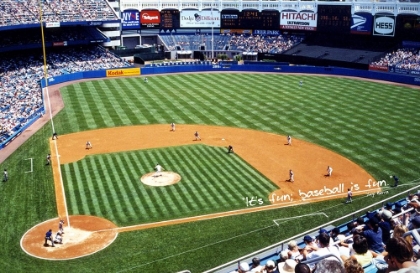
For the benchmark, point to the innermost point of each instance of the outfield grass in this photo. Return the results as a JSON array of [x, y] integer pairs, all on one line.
[[373, 124]]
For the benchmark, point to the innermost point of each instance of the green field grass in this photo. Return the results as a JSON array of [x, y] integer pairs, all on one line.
[[375, 125]]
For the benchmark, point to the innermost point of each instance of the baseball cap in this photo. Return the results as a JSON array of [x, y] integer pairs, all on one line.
[[244, 266], [308, 238], [323, 230]]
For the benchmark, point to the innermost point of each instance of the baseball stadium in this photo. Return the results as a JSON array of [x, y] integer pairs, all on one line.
[[206, 136]]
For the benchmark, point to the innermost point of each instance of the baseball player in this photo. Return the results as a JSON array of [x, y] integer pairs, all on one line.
[[329, 171], [5, 176], [58, 238], [48, 237], [146, 80], [289, 140], [300, 83], [197, 136], [173, 127], [230, 149], [158, 170], [88, 145], [54, 136], [349, 196], [48, 159], [60, 226], [291, 176]]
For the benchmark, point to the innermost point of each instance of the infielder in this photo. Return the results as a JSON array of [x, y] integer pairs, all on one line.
[[173, 127], [291, 176], [289, 140], [329, 171], [197, 136], [88, 145]]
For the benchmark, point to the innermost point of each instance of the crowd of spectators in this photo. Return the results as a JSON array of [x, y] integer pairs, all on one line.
[[405, 58], [244, 43], [263, 44], [379, 240], [21, 95], [18, 12]]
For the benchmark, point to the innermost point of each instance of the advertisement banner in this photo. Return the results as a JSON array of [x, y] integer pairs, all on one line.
[[150, 18], [52, 24], [384, 25], [298, 20], [267, 32], [130, 19], [200, 19], [361, 23], [123, 72], [378, 67], [236, 31]]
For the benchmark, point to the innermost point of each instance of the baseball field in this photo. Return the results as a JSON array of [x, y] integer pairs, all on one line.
[[224, 205]]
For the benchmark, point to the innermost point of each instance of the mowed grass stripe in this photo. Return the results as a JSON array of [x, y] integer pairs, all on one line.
[[134, 163], [85, 112], [224, 181], [67, 93], [122, 189], [247, 179], [98, 107], [134, 184], [179, 203], [83, 207], [116, 101], [94, 208], [71, 192], [244, 178], [197, 178], [96, 178]]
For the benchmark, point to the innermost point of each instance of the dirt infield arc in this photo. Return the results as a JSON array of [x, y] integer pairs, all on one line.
[[268, 153]]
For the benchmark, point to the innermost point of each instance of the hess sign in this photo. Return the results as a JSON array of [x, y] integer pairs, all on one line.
[[384, 25]]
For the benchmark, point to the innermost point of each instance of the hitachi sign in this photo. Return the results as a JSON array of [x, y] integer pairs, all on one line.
[[298, 16]]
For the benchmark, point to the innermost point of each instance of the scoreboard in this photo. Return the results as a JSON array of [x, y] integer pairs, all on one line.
[[170, 19], [334, 18], [250, 19]]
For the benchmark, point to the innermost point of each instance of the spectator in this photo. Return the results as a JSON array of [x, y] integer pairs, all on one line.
[[353, 266], [361, 251], [243, 267], [373, 234], [324, 249], [256, 266], [287, 266], [329, 266], [400, 256], [302, 268], [270, 267], [293, 250]]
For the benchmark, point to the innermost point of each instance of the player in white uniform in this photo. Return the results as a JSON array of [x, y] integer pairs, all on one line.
[[88, 145], [173, 127], [158, 170], [329, 171], [291, 176], [289, 140]]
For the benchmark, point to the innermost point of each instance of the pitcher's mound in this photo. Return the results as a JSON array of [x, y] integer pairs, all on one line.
[[160, 179]]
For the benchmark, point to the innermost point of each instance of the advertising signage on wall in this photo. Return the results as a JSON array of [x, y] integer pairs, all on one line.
[[361, 23], [169, 19], [130, 19], [150, 19], [334, 18], [298, 20], [200, 19], [250, 19], [384, 25], [408, 26]]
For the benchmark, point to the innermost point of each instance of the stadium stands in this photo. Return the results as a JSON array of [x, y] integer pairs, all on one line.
[[21, 99]]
